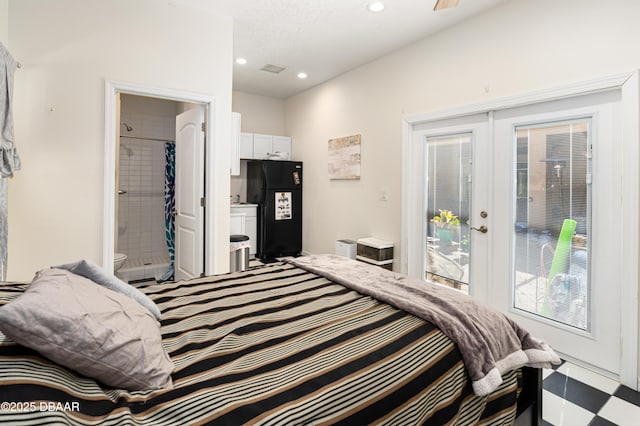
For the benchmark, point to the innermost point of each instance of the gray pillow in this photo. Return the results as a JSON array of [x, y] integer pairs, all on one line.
[[90, 329], [90, 270]]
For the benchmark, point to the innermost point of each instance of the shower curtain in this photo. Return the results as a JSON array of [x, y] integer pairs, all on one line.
[[9, 160], [169, 204]]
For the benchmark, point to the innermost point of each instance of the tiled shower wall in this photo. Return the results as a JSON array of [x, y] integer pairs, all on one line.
[[141, 228], [141, 209]]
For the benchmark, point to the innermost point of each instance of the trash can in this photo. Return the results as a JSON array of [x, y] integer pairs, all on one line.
[[239, 252]]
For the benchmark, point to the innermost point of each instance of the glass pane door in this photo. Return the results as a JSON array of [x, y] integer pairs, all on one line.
[[526, 235], [448, 202], [553, 194]]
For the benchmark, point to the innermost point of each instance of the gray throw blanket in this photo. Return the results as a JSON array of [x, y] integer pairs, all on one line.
[[491, 343]]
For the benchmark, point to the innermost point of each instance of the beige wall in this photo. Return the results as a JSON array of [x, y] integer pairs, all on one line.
[[68, 48], [260, 114], [517, 47]]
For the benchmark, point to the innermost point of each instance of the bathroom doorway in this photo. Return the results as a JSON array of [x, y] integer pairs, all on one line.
[[146, 187], [209, 258]]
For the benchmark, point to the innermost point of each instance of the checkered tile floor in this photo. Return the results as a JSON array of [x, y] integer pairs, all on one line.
[[576, 396]]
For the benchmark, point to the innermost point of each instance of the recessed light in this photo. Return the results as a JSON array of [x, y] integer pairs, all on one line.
[[302, 75], [376, 6], [241, 61]]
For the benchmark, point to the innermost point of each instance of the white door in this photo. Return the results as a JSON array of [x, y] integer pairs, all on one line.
[[450, 203], [556, 219], [189, 214], [561, 173]]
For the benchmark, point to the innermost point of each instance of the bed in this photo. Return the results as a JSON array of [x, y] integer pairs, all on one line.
[[278, 344]]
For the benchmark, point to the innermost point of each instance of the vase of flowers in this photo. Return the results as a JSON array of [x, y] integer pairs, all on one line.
[[446, 224]]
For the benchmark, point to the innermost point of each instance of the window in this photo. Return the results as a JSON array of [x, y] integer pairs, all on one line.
[[447, 209], [553, 192]]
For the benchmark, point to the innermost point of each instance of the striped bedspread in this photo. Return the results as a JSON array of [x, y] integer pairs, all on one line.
[[275, 345]]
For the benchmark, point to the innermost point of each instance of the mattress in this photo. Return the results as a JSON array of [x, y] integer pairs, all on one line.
[[274, 345]]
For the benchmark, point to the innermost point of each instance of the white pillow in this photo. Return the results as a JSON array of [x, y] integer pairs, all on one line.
[[88, 328], [90, 270]]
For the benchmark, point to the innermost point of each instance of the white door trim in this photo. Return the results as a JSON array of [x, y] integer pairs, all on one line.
[[629, 84], [111, 89], [522, 99], [631, 206]]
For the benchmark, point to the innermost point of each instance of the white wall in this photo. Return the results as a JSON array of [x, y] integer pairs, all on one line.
[[68, 48], [517, 47]]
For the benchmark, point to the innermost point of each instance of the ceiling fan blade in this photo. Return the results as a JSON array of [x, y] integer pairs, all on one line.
[[445, 4]]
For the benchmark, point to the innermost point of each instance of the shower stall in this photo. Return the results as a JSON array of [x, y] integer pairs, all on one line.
[[145, 188]]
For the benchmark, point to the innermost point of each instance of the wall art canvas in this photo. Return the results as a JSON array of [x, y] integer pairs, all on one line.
[[344, 157]]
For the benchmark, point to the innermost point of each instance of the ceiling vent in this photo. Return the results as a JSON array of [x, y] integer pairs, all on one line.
[[275, 69]]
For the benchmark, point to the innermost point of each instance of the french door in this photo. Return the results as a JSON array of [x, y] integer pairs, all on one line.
[[522, 208], [452, 202], [557, 226]]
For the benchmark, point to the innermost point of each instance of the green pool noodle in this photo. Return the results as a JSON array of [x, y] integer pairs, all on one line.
[[560, 260]]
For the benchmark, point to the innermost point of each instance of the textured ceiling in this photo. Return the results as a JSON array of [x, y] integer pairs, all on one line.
[[323, 38]]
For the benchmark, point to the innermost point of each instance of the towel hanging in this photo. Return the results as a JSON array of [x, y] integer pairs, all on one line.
[[9, 159]]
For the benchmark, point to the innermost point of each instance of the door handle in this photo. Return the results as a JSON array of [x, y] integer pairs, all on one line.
[[174, 212], [482, 229]]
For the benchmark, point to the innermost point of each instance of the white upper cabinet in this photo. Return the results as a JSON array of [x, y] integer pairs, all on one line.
[[246, 145], [236, 125], [257, 146], [282, 144], [262, 146]]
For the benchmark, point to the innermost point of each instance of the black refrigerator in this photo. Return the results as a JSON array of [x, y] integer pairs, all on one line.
[[276, 187]]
